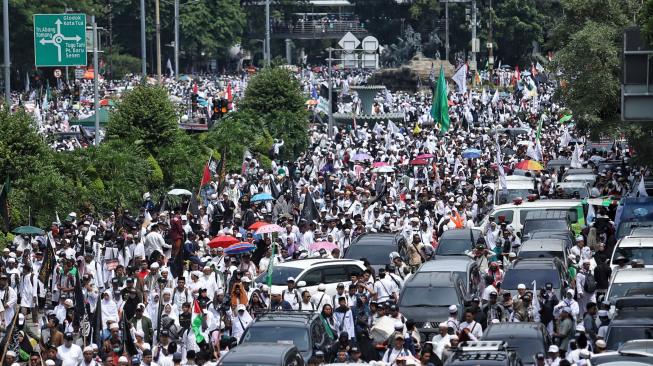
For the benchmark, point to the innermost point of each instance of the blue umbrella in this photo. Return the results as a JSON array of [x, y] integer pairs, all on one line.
[[472, 153], [240, 248], [262, 197], [361, 157]]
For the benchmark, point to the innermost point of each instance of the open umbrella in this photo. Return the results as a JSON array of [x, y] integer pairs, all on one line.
[[419, 162], [379, 164], [28, 230], [565, 119], [424, 156], [508, 151], [184, 78], [240, 248], [361, 157], [180, 192], [472, 153], [269, 228], [529, 165], [222, 241], [262, 197], [326, 245], [257, 225], [383, 169]]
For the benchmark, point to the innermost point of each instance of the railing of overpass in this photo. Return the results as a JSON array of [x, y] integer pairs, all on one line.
[[318, 28]]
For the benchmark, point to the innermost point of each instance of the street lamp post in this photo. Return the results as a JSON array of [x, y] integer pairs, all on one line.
[[176, 39], [5, 31], [330, 123], [96, 93], [268, 54], [143, 50], [157, 27]]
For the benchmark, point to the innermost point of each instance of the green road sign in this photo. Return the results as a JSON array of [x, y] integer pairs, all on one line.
[[59, 40]]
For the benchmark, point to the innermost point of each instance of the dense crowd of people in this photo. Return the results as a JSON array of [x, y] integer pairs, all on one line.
[[152, 287]]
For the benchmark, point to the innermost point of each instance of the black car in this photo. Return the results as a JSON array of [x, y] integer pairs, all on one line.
[[262, 354], [376, 248], [544, 220], [426, 297], [538, 272], [486, 353], [457, 242], [527, 339], [633, 320], [303, 329]]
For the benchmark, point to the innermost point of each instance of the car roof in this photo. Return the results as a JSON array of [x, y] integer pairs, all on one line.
[[542, 244], [572, 184], [446, 264], [376, 239], [431, 279], [641, 232], [575, 171], [545, 234], [513, 330], [629, 275], [458, 233], [546, 215], [635, 241], [566, 203], [306, 263], [534, 263], [254, 353], [299, 317]]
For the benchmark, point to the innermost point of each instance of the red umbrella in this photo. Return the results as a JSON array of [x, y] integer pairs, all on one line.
[[419, 162], [223, 241], [257, 225], [424, 156]]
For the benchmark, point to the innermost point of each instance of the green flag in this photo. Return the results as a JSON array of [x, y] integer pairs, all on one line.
[[270, 265], [565, 119], [539, 129], [440, 106]]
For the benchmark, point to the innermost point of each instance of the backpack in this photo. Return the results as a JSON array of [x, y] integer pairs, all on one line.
[[590, 283]]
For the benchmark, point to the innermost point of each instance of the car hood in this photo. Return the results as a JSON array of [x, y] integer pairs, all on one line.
[[425, 314]]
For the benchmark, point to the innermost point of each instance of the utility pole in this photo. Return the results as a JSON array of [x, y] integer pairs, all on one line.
[[490, 43], [474, 50], [5, 31], [176, 39], [446, 27], [157, 27], [268, 54], [330, 124], [96, 92], [143, 50]]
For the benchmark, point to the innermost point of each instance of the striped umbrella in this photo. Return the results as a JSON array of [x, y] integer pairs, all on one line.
[[270, 228], [240, 248]]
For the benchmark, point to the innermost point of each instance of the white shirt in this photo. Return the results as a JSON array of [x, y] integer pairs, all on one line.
[[475, 330], [70, 356]]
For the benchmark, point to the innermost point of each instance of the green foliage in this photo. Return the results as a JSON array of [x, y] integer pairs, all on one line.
[[589, 41], [21, 148], [5, 240], [146, 114], [517, 23], [235, 133], [647, 28], [123, 64]]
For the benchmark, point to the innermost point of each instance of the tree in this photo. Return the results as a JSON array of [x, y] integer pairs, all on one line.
[[647, 28], [517, 24], [588, 38], [144, 114], [274, 96]]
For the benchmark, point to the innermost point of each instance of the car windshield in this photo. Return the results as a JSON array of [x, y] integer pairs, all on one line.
[[620, 289], [280, 275], [643, 253], [533, 225], [617, 336], [540, 254], [428, 296], [375, 254], [626, 227], [527, 348], [274, 334], [572, 213], [514, 277], [454, 246], [511, 194]]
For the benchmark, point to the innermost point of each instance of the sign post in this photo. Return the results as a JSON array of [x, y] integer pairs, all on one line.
[[59, 40]]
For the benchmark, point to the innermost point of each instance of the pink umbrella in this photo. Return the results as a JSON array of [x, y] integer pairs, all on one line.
[[379, 164], [424, 156], [323, 245], [271, 228]]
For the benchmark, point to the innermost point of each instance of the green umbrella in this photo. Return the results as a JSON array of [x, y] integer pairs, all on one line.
[[565, 119], [28, 230]]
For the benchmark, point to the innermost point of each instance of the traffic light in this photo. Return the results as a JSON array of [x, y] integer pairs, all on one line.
[[76, 93]]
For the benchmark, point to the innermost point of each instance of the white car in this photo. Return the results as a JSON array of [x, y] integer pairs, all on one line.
[[629, 281], [634, 247], [514, 214], [309, 273]]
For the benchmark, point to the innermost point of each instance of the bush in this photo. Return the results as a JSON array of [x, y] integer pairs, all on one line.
[[122, 64]]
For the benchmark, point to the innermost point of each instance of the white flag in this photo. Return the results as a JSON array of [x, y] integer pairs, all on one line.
[[495, 98], [539, 67], [392, 127], [641, 188], [27, 82], [169, 67], [591, 214], [484, 97], [502, 174], [575, 157], [460, 78]]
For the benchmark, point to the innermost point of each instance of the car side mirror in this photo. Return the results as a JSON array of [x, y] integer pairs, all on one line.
[[301, 283]]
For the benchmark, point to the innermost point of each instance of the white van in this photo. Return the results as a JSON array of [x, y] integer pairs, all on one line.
[[515, 213], [517, 186], [634, 247]]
